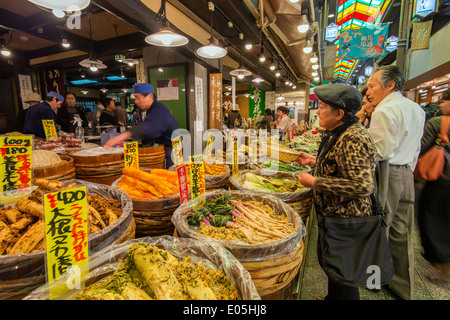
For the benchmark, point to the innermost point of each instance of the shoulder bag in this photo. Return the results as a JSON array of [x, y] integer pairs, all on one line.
[[355, 251], [430, 165]]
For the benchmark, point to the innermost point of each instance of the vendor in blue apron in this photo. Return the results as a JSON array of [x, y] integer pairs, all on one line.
[[157, 126]]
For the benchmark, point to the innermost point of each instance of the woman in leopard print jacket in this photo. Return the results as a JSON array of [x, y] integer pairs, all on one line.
[[345, 164]]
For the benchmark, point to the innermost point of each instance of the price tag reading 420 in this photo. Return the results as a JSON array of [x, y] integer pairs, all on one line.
[[131, 154], [15, 167], [66, 239]]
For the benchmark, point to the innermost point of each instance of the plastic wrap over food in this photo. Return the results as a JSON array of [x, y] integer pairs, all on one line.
[[213, 181], [212, 255], [165, 203], [288, 196], [21, 273], [99, 151], [243, 251]]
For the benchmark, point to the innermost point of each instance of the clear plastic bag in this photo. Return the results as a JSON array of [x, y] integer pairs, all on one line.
[[213, 181], [22, 273], [289, 197], [209, 253], [244, 252]]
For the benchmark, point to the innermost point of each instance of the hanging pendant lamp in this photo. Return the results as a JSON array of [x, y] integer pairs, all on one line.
[[240, 72], [59, 7], [166, 37], [92, 63], [211, 51]]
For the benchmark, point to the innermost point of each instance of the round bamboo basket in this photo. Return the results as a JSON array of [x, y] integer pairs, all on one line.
[[62, 171], [152, 157], [103, 169], [20, 274], [153, 217], [273, 265]]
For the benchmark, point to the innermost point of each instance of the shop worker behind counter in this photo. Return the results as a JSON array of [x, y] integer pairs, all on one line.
[[46, 110], [157, 126]]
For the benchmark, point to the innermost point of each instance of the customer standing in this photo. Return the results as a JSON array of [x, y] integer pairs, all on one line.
[[96, 117], [345, 165], [396, 128], [45, 110], [107, 117], [365, 113], [434, 211], [233, 116], [283, 121], [32, 99], [121, 114], [68, 112], [268, 118]]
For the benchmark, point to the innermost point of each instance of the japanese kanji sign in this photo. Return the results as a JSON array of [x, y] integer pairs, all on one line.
[[215, 107], [54, 79], [50, 129], [257, 105], [177, 151], [197, 176], [363, 43], [15, 167], [183, 184], [66, 236], [131, 154]]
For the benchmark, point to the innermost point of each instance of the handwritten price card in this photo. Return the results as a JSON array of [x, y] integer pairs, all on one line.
[[235, 158], [15, 167], [183, 184], [66, 238], [131, 154], [177, 151], [50, 129], [197, 176]]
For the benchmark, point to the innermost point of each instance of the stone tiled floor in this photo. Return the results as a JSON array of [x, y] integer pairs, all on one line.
[[314, 282]]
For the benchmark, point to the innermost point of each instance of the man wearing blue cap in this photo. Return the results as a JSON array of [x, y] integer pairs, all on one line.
[[158, 123], [46, 110]]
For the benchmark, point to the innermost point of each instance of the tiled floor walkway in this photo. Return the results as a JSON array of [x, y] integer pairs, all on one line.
[[314, 281]]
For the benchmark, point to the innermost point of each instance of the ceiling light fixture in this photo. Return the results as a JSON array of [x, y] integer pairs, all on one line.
[[65, 43], [58, 7], [131, 62], [261, 56], [248, 46], [315, 66], [308, 47], [314, 58], [211, 51], [316, 78], [315, 74], [166, 37], [240, 72], [278, 73], [304, 24], [272, 65], [5, 51], [92, 63]]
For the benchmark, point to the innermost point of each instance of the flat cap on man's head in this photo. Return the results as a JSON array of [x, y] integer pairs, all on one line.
[[340, 95], [33, 97], [143, 88], [55, 95]]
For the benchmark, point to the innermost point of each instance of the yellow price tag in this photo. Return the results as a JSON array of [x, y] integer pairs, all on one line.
[[197, 176], [209, 144], [131, 154], [50, 129], [66, 238], [15, 167], [177, 151], [235, 158]]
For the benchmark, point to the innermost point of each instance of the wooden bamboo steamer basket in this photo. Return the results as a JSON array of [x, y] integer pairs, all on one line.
[[20, 274], [103, 169], [152, 157], [269, 273], [62, 171]]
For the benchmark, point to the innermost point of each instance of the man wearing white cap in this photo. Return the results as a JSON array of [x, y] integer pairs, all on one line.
[[32, 99], [157, 126], [45, 110]]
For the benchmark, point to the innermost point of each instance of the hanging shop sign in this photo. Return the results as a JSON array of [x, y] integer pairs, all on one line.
[[257, 105], [363, 43], [66, 239], [54, 79], [392, 44], [131, 154], [330, 56], [15, 167], [331, 32], [423, 8], [215, 107], [421, 35]]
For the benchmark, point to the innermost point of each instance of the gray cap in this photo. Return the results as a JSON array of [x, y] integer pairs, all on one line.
[[340, 95]]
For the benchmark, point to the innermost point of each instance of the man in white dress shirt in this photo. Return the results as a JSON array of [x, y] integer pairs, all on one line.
[[396, 128]]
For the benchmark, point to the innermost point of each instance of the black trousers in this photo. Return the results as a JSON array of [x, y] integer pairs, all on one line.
[[340, 292]]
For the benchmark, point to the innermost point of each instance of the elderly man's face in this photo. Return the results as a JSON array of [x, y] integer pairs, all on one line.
[[55, 103], [376, 92]]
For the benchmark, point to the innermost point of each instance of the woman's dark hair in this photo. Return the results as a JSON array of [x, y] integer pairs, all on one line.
[[347, 115], [268, 112], [364, 90], [283, 109], [74, 95], [88, 110], [107, 101]]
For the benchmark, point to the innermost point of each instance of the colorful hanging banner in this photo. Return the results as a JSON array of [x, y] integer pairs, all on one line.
[[50, 129], [197, 176], [183, 184], [66, 239], [177, 151], [15, 167], [131, 154], [363, 43]]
